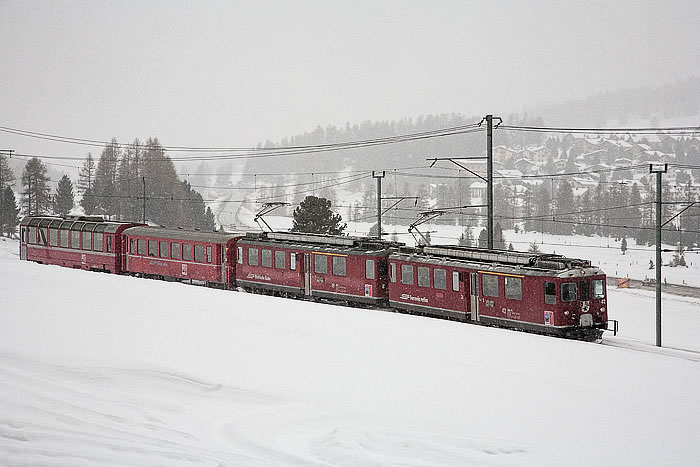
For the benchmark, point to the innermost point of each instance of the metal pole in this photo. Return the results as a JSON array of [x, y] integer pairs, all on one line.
[[144, 199], [489, 179], [379, 176], [658, 259]]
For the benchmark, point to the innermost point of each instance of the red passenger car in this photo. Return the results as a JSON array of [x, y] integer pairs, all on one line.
[[310, 265], [181, 254], [549, 294], [82, 242]]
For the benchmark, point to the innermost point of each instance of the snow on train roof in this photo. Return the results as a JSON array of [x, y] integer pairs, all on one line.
[[183, 234], [321, 241], [499, 260]]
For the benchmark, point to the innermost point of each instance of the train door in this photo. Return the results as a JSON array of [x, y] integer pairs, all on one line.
[[474, 295], [307, 274], [23, 244]]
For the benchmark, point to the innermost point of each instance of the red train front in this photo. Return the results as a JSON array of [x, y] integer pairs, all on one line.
[[548, 294]]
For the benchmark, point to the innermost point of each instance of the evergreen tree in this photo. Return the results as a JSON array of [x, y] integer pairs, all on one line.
[[7, 177], [313, 215], [564, 206], [499, 241], [9, 212], [623, 246], [86, 181], [35, 181], [209, 220], [467, 237], [105, 187], [64, 197], [534, 248]]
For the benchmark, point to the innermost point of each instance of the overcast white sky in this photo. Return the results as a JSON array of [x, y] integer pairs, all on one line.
[[236, 73]]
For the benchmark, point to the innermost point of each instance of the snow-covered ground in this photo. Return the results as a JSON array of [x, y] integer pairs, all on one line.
[[107, 370]]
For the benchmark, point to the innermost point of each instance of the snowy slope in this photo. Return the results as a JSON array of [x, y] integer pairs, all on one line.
[[108, 370]]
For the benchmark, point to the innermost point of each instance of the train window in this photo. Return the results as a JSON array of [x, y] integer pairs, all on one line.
[[63, 238], [240, 255], [489, 284], [132, 249], [208, 254], [369, 269], [339, 265], [293, 261], [187, 252], [253, 256], [423, 276], [550, 293], [199, 253], [584, 290], [440, 279], [152, 248], [321, 264], [175, 250], [109, 243], [53, 237], [98, 241], [407, 274], [392, 272], [87, 240], [568, 291], [75, 239], [266, 260], [598, 288], [455, 281], [164, 250], [279, 260], [514, 288], [141, 247]]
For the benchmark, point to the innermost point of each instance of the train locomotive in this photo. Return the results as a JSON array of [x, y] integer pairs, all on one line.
[[542, 293]]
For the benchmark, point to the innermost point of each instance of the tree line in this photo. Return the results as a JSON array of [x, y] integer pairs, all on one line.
[[127, 182]]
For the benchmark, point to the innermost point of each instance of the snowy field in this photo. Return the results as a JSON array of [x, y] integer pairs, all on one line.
[[108, 370]]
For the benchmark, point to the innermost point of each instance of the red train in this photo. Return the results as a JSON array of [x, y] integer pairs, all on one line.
[[548, 294]]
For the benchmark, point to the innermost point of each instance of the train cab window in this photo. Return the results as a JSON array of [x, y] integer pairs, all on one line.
[[455, 281], [279, 260], [141, 246], [407, 274], [199, 253], [239, 250], [440, 279], [53, 237], [489, 284], [253, 256], [266, 258], [175, 250], [187, 252], [208, 254], [585, 290], [163, 250], [392, 272], [152, 248], [98, 241], [321, 264], [514, 288], [339, 265], [293, 261], [568, 292], [423, 276], [369, 269], [550, 293], [598, 288]]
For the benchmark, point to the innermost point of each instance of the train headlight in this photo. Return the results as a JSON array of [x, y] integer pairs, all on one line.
[[602, 309], [566, 313]]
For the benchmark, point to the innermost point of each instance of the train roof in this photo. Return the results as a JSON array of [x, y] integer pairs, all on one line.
[[499, 260], [183, 234], [318, 241], [88, 223]]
